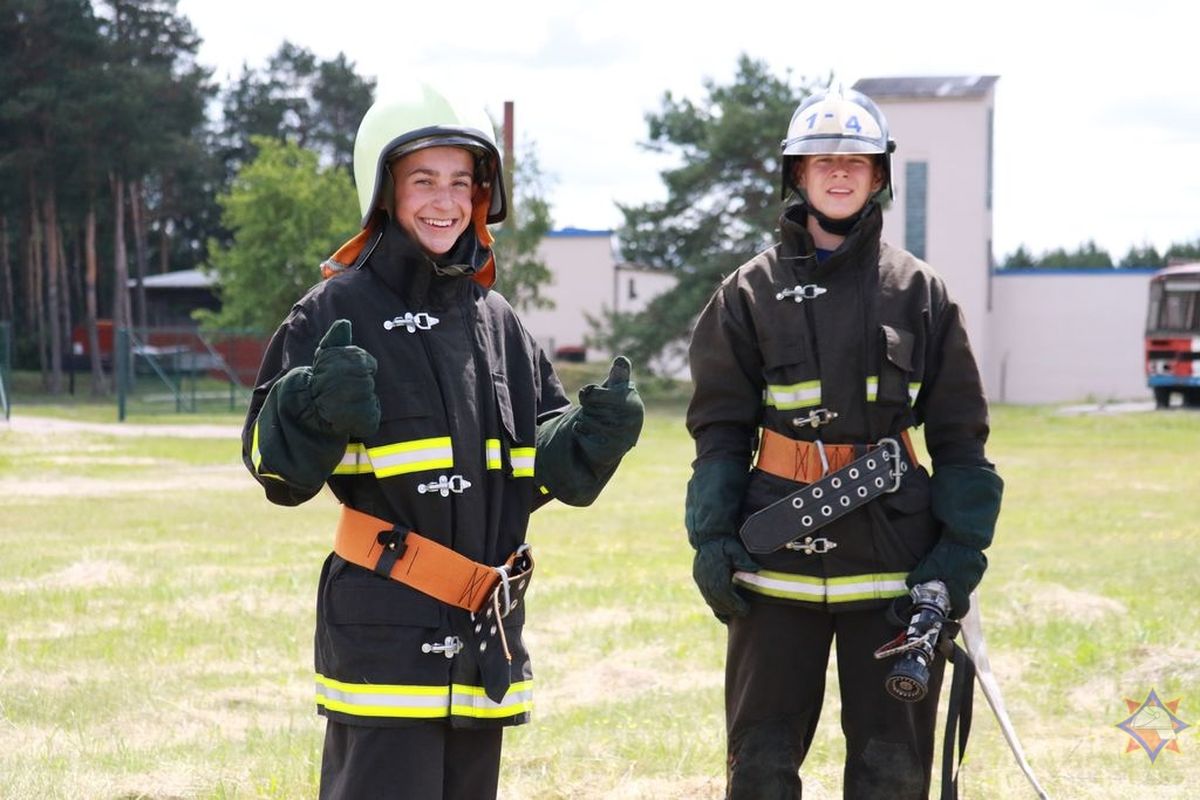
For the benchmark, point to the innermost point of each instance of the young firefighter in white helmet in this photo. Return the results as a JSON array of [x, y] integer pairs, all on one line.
[[807, 507], [413, 392]]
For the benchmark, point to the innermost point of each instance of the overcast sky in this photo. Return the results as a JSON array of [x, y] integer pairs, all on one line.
[[1097, 106]]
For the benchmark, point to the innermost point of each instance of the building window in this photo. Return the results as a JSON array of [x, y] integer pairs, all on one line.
[[632, 290], [916, 206]]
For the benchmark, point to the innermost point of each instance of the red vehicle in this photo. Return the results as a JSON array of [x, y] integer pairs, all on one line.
[[1173, 335]]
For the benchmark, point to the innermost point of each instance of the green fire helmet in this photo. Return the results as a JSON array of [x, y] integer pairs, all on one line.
[[415, 119], [834, 121]]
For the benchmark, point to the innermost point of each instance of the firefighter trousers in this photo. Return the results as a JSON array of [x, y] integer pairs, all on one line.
[[774, 686], [426, 761]]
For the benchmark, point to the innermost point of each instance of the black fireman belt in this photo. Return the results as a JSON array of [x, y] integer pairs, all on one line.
[[810, 508], [489, 593]]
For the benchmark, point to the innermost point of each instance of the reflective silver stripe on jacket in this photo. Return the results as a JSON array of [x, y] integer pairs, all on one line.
[[814, 589], [492, 447], [354, 461], [522, 461], [399, 458], [470, 701], [404, 701], [420, 455], [793, 396], [873, 389]]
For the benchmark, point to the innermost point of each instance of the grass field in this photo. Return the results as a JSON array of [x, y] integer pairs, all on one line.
[[156, 618]]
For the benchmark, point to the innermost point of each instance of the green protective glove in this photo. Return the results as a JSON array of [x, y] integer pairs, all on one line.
[[610, 417], [959, 566], [714, 500], [712, 569], [579, 451], [966, 500], [343, 384]]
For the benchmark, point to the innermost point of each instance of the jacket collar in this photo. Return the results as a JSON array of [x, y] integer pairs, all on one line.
[[861, 245], [412, 273]]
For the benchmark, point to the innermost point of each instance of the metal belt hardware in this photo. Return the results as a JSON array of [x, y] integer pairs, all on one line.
[[510, 573], [801, 292], [810, 545], [808, 509]]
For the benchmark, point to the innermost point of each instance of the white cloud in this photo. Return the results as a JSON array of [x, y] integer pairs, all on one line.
[[1096, 106]]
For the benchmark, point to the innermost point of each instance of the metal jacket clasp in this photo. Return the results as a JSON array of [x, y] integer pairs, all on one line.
[[413, 322], [446, 484], [801, 292]]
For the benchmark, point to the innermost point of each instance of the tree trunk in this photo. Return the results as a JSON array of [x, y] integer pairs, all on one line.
[[6, 309], [35, 274], [137, 213], [67, 301], [91, 273], [164, 224], [53, 299], [122, 316]]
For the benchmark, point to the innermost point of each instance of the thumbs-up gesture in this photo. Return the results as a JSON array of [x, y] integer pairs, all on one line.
[[611, 414], [343, 384]]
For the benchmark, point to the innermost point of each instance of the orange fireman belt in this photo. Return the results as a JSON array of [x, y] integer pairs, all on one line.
[[807, 462], [404, 555]]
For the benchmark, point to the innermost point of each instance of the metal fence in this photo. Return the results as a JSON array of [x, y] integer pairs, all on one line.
[[184, 369]]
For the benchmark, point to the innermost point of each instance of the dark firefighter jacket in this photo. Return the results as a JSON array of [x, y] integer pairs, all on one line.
[[462, 387], [883, 346]]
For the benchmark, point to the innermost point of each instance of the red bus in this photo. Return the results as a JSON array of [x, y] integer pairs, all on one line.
[[1173, 335]]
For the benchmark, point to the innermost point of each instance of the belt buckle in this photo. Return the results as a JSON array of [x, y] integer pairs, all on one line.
[[501, 599], [896, 466]]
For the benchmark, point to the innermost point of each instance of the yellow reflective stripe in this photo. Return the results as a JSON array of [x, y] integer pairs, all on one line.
[[543, 490], [867, 587], [793, 396], [781, 584], [522, 461], [255, 455], [420, 702], [873, 389], [404, 457], [256, 458], [831, 590], [383, 700], [472, 701], [355, 460], [492, 449]]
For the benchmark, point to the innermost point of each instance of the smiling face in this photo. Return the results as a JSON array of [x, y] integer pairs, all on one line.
[[839, 185], [434, 188]]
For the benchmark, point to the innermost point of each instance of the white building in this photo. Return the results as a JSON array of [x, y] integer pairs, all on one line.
[[1041, 336], [587, 280]]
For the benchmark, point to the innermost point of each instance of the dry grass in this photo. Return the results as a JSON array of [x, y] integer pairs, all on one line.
[[156, 622]]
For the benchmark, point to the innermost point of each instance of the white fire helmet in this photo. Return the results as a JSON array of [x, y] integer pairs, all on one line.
[[837, 121]]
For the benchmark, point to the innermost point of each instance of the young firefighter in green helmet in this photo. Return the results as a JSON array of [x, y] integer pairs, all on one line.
[[809, 512], [413, 392]]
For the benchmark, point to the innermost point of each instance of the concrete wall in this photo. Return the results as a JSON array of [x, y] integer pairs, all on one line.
[[587, 280], [952, 136], [1067, 336]]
